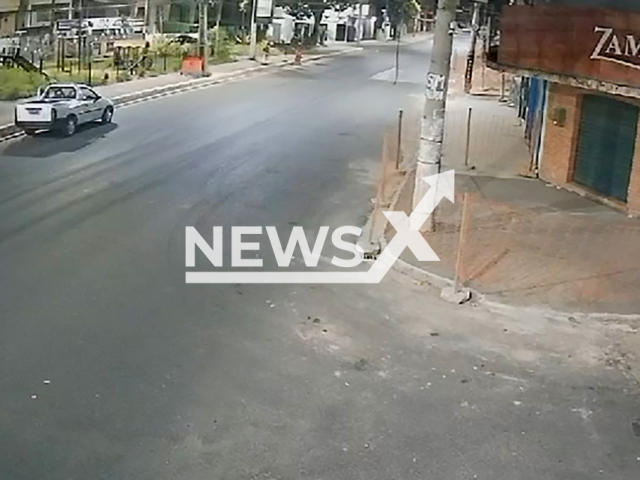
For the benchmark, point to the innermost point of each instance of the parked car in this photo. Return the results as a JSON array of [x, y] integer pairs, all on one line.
[[63, 107]]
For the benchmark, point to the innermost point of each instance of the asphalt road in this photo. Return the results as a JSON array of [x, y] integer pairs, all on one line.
[[112, 368]]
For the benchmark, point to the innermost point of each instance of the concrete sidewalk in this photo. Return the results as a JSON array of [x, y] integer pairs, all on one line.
[[525, 242], [496, 137], [497, 145]]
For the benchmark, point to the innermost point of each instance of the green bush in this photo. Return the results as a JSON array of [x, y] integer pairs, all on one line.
[[16, 83], [167, 55], [124, 77], [226, 45], [165, 48]]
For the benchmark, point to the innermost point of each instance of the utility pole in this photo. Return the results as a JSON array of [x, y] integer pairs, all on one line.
[[359, 29], [151, 17], [218, 17], [203, 38], [80, 25], [432, 125], [254, 30], [53, 19], [471, 56], [146, 19]]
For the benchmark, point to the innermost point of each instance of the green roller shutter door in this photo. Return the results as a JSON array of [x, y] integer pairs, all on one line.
[[606, 145]]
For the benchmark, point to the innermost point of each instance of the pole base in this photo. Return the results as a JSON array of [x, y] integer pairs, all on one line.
[[458, 297]]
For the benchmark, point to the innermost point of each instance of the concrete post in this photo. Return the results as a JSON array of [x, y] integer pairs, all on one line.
[[359, 29], [203, 37], [254, 31], [432, 125], [151, 14]]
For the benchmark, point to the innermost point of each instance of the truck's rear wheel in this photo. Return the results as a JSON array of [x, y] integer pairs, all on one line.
[[30, 132]]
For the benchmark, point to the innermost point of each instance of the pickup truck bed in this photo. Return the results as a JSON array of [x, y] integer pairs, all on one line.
[[38, 114]]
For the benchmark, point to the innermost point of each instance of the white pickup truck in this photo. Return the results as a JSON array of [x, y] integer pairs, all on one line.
[[63, 107]]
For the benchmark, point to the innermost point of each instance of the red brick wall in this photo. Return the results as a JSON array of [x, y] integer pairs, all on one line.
[[560, 141]]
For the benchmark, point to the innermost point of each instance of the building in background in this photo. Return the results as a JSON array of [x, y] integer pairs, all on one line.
[[36, 17], [8, 16], [342, 25], [337, 25], [282, 26], [582, 70]]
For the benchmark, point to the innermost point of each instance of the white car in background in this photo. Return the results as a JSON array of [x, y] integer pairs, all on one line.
[[63, 107]]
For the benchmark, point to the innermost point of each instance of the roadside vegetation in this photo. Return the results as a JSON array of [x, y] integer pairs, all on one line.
[[162, 56], [16, 83], [223, 45]]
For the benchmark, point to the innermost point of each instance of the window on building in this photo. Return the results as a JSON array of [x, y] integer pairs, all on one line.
[[42, 16]]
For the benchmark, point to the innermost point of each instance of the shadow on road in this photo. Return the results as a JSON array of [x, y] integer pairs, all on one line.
[[49, 144]]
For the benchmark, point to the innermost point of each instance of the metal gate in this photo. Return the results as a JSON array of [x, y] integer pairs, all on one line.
[[606, 145]]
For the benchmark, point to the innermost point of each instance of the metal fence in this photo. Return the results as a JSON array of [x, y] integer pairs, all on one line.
[[91, 59]]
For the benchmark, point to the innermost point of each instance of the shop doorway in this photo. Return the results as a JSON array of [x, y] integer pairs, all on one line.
[[606, 145]]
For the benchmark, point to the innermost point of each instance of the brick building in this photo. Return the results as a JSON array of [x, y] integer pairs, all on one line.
[[584, 102]]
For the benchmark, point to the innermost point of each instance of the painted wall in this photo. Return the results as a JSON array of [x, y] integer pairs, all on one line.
[[633, 5], [7, 23], [588, 43], [560, 139]]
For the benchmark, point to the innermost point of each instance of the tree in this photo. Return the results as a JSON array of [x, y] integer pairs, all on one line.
[[219, 4], [398, 11], [403, 11]]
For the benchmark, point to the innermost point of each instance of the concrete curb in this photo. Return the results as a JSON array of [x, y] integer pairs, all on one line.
[[406, 40], [479, 298], [371, 245], [11, 131], [401, 265]]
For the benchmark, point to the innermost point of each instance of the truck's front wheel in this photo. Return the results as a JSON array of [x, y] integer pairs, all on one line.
[[107, 115]]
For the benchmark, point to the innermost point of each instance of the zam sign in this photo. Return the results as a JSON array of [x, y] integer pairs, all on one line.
[[618, 48]]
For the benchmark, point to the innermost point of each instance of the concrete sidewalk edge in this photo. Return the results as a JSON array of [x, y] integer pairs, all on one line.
[[439, 281], [11, 130]]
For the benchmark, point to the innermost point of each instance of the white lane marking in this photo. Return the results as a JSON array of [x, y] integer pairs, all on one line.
[[386, 75]]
